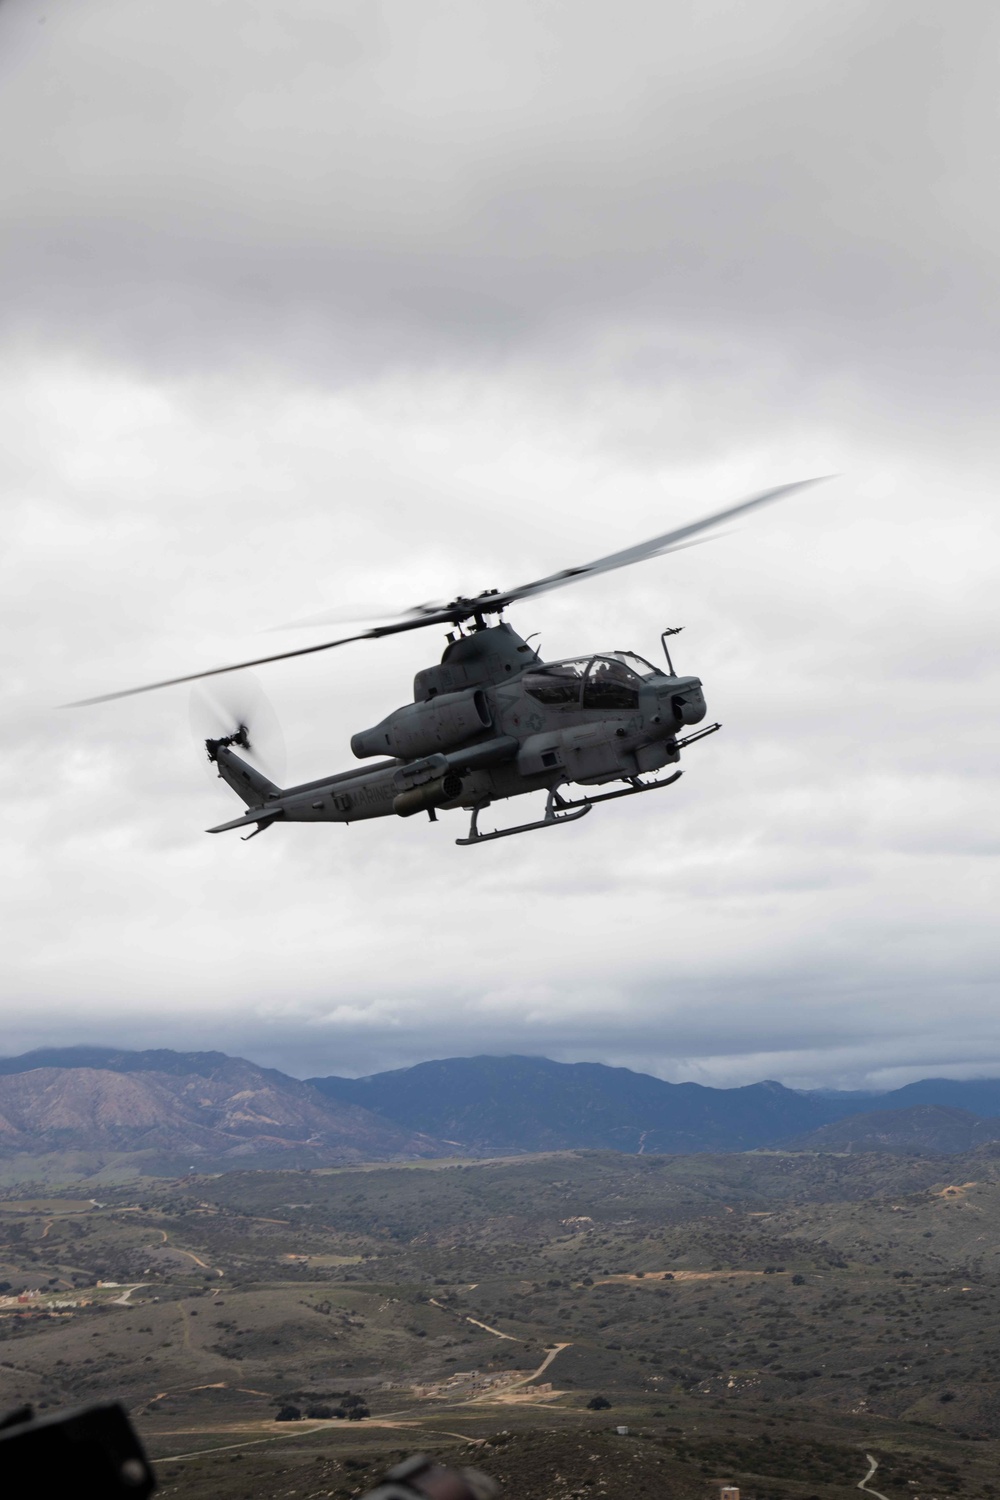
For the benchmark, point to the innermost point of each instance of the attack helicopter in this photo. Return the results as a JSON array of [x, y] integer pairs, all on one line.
[[492, 720]]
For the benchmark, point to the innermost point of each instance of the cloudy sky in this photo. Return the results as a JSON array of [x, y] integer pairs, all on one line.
[[364, 302]]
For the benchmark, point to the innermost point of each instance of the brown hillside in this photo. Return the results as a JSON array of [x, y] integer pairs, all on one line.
[[236, 1112]]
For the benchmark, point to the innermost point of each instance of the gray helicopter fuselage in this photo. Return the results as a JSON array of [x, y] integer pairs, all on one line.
[[492, 721]]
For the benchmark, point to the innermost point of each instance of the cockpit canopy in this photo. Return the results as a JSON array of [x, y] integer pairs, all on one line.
[[608, 682]]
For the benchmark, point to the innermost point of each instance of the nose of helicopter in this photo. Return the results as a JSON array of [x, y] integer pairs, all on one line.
[[682, 701]]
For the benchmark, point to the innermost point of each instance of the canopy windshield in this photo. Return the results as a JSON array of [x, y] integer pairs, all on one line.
[[558, 682], [608, 682], [638, 664]]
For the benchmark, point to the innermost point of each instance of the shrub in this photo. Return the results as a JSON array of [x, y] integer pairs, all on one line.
[[598, 1403]]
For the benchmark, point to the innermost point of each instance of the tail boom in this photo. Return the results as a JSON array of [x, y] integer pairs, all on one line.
[[348, 797]]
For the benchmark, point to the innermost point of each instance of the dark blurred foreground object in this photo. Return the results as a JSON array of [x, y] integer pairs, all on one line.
[[420, 1478], [91, 1452]]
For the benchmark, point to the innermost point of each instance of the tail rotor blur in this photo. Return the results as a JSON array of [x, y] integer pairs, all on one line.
[[236, 711]]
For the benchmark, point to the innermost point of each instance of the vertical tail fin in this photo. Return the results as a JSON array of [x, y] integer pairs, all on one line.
[[247, 782]]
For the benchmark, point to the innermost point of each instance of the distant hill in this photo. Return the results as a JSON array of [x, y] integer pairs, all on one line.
[[533, 1104], [119, 1060], [981, 1096], [220, 1110], [206, 1107], [921, 1130]]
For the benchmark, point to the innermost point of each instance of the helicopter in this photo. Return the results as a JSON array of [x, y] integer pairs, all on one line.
[[492, 720]]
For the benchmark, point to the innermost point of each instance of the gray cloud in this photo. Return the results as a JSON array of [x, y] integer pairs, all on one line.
[[345, 187], [349, 302]]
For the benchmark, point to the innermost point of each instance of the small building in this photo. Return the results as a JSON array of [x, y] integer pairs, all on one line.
[[729, 1492], [623, 1432]]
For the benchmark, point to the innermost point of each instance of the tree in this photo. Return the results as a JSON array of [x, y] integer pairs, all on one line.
[[288, 1414], [598, 1403], [356, 1413]]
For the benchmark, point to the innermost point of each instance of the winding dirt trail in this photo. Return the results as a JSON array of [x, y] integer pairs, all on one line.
[[466, 1319], [191, 1256], [516, 1392], [863, 1483], [122, 1301], [495, 1331], [165, 1240]]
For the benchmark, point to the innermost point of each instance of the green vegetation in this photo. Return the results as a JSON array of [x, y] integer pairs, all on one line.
[[765, 1319]]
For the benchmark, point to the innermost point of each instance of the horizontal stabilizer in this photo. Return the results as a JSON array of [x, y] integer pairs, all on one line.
[[263, 816]]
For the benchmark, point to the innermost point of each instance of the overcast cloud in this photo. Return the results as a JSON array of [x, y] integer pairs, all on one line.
[[330, 303]]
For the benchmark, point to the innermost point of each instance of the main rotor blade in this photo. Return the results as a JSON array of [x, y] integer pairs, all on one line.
[[670, 541], [487, 603], [357, 614], [260, 661], [493, 603]]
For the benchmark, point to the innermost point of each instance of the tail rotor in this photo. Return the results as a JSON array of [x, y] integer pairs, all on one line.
[[236, 712]]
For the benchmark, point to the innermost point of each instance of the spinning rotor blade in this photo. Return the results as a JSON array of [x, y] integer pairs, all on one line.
[[354, 614], [489, 602], [670, 541], [240, 702], [260, 661], [492, 602], [342, 615]]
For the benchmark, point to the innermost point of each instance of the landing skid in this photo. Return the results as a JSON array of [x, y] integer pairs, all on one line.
[[558, 810], [633, 790]]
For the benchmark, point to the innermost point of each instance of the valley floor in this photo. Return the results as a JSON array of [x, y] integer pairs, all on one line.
[[767, 1320]]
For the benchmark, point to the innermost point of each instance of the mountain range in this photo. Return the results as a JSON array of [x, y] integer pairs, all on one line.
[[533, 1104], [170, 1110]]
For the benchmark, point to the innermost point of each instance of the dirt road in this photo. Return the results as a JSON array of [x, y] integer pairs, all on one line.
[[863, 1483]]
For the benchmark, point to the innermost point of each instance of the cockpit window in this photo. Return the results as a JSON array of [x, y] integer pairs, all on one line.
[[558, 683], [611, 683], [638, 664]]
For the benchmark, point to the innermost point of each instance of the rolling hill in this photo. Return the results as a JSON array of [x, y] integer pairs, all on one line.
[[921, 1130], [226, 1112]]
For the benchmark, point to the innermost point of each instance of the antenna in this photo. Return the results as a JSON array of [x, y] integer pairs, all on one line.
[[670, 630]]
